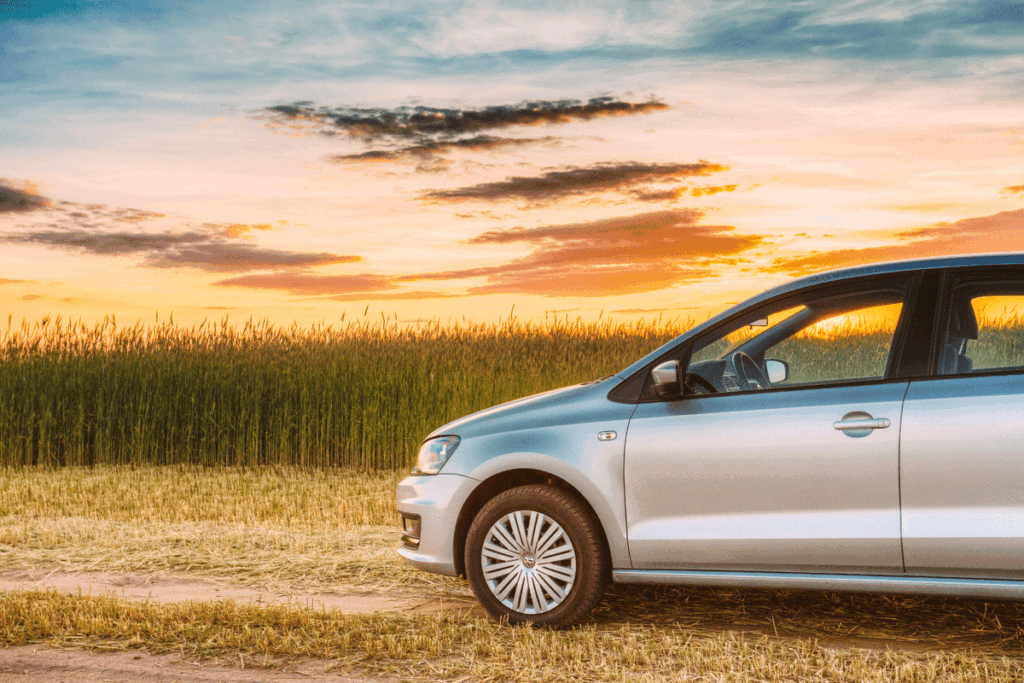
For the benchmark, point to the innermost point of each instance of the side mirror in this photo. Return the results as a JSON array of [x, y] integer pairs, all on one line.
[[667, 378], [778, 370]]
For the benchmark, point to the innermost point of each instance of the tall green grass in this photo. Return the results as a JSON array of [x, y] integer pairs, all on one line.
[[363, 394]]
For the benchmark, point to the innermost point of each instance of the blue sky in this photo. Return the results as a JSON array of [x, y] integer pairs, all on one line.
[[832, 129]]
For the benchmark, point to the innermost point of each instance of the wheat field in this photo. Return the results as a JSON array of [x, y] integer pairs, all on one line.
[[360, 395]]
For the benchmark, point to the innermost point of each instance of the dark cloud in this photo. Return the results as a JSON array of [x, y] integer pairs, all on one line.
[[110, 231], [576, 181], [433, 121], [1014, 189], [226, 257], [629, 254], [13, 200], [999, 232], [311, 283], [193, 250], [200, 250], [429, 148], [636, 228], [106, 243], [670, 195]]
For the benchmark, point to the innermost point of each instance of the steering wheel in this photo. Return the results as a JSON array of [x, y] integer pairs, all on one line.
[[750, 374]]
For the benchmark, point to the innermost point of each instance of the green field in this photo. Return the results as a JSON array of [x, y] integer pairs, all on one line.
[[361, 395]]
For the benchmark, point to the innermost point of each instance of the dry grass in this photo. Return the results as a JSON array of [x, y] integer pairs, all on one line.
[[280, 528], [448, 647], [281, 497], [291, 530]]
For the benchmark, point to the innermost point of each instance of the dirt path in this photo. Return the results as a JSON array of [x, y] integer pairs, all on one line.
[[162, 588], [31, 664]]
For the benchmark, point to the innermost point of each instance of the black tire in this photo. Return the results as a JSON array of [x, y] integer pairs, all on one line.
[[563, 518]]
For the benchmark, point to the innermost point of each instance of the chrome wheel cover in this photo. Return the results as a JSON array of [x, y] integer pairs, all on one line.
[[529, 562]]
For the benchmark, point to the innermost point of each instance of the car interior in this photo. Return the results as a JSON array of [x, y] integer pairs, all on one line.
[[742, 367]]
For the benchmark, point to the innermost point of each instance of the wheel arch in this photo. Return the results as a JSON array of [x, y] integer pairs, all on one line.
[[503, 481]]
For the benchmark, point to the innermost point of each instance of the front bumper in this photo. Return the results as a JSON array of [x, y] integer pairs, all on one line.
[[435, 499]]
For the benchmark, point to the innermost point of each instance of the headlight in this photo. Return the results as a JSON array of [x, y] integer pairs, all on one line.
[[434, 453]]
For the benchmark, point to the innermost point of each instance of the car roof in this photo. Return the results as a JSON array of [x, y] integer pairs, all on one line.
[[838, 275], [887, 267]]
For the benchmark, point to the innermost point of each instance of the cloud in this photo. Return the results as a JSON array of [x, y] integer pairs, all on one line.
[[999, 232], [222, 256], [577, 280], [111, 231], [711, 189], [669, 195], [1014, 189], [956, 30], [311, 283], [392, 296], [200, 250], [429, 148], [67, 214], [629, 254], [575, 181], [406, 122], [14, 200], [105, 243], [425, 133], [8, 281], [675, 193], [237, 229]]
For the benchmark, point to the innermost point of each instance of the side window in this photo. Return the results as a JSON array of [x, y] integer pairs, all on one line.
[[985, 330], [822, 337], [849, 346]]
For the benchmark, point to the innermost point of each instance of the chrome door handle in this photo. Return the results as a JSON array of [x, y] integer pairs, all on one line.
[[864, 423]]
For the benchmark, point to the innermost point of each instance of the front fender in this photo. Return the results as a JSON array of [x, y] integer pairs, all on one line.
[[575, 455]]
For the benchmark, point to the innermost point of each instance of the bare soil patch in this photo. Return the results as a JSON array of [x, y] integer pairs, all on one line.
[[31, 664], [171, 588]]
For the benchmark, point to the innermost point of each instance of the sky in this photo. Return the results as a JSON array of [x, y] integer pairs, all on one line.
[[304, 161]]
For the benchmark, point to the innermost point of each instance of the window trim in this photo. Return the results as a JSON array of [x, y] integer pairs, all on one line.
[[912, 278]]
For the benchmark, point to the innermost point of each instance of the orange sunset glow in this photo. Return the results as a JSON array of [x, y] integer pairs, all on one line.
[[624, 160]]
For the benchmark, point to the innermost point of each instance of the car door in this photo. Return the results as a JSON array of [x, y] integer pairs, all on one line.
[[962, 463], [801, 475]]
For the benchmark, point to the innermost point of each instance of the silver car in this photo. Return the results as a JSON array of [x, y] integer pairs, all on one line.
[[861, 429]]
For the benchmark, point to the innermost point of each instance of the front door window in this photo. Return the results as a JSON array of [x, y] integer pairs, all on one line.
[[825, 338]]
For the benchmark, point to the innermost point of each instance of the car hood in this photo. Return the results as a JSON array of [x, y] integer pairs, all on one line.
[[560, 406]]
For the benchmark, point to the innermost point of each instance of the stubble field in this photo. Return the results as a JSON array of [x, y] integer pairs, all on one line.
[[315, 534]]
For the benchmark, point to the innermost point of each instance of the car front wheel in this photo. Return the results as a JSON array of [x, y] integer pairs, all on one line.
[[534, 555]]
